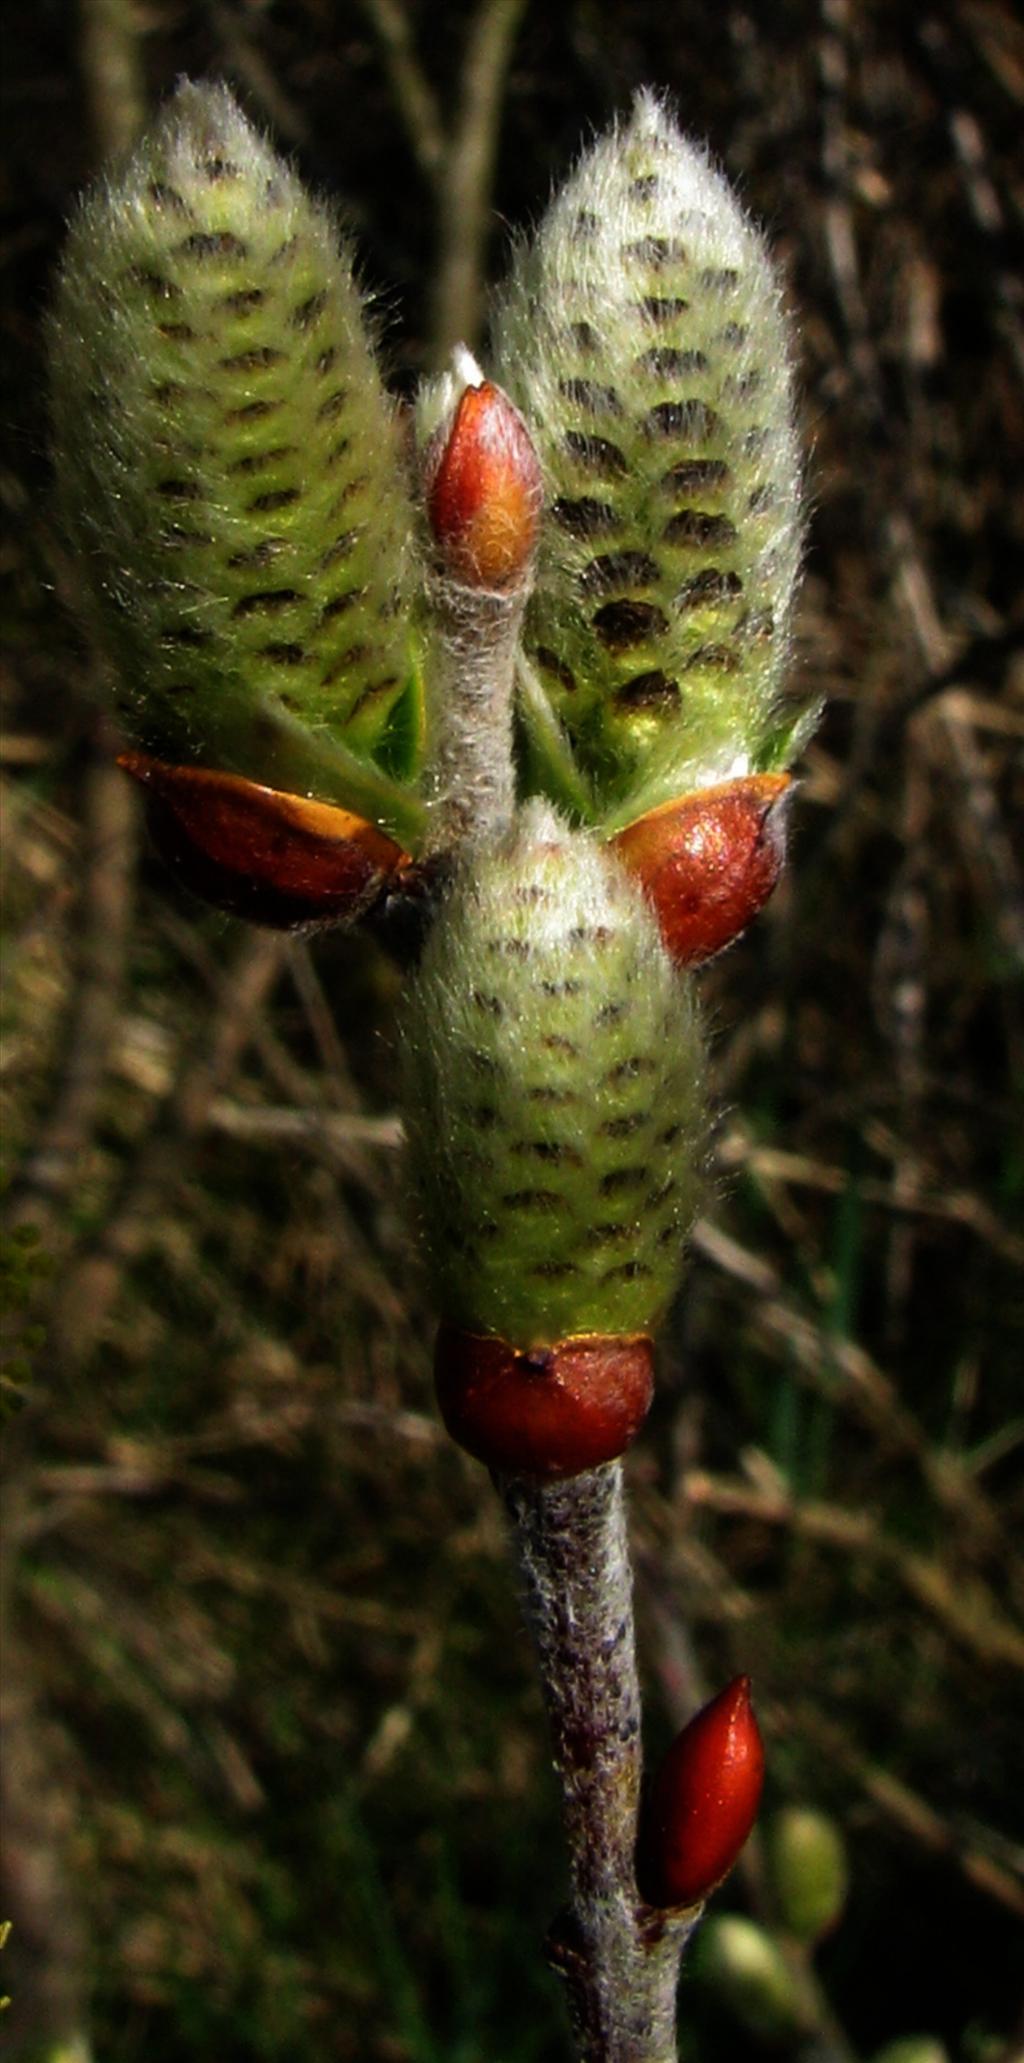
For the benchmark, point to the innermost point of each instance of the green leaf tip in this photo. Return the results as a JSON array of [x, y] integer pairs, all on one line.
[[228, 463], [642, 334]]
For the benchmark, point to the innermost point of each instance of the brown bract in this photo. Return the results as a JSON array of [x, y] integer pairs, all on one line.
[[703, 1801], [276, 859], [543, 1411], [483, 491], [709, 861]]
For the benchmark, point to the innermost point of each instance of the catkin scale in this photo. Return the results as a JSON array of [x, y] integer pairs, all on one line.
[[227, 460], [643, 335], [278, 860], [543, 1411], [553, 1095]]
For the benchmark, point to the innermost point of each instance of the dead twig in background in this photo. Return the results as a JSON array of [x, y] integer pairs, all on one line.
[[48, 1174], [967, 1612], [112, 72], [91, 1283], [456, 157]]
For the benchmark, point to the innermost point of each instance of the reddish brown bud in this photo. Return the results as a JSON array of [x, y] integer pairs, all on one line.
[[709, 861], [483, 490], [543, 1411], [277, 859], [703, 1801]]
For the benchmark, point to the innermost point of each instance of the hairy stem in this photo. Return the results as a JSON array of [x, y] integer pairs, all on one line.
[[471, 775], [619, 1957]]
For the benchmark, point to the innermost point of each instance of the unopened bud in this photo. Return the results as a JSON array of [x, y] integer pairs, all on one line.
[[703, 1802], [549, 1411], [483, 489], [708, 862], [276, 859]]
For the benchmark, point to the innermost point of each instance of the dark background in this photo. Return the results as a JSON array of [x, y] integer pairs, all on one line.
[[277, 1783]]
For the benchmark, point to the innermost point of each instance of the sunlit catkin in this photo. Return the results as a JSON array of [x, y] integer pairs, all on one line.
[[227, 459], [553, 1094], [643, 335]]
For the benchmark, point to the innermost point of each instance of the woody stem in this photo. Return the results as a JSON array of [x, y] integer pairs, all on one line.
[[620, 1958]]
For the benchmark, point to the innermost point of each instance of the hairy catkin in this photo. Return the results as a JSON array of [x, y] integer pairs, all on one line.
[[553, 1094], [643, 335], [227, 458]]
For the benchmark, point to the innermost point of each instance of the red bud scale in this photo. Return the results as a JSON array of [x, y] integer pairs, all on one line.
[[709, 861], [483, 490], [546, 1411]]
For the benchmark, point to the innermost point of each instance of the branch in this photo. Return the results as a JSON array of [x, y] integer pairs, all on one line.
[[104, 921], [465, 197], [458, 163], [417, 102], [112, 74], [620, 1958]]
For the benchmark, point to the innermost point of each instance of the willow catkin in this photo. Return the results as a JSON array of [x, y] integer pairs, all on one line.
[[553, 1094], [227, 458], [642, 333]]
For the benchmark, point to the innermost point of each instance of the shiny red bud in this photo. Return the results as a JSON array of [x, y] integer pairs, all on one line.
[[543, 1411], [276, 859], [703, 1801], [483, 490], [709, 861]]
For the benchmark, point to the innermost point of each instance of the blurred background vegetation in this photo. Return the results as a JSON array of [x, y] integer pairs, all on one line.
[[276, 1778]]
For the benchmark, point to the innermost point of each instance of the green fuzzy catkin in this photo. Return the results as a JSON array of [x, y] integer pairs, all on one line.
[[227, 460], [808, 1870], [744, 1966], [554, 1101], [642, 334]]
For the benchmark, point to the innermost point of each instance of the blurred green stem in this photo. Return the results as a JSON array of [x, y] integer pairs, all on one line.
[[112, 69]]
